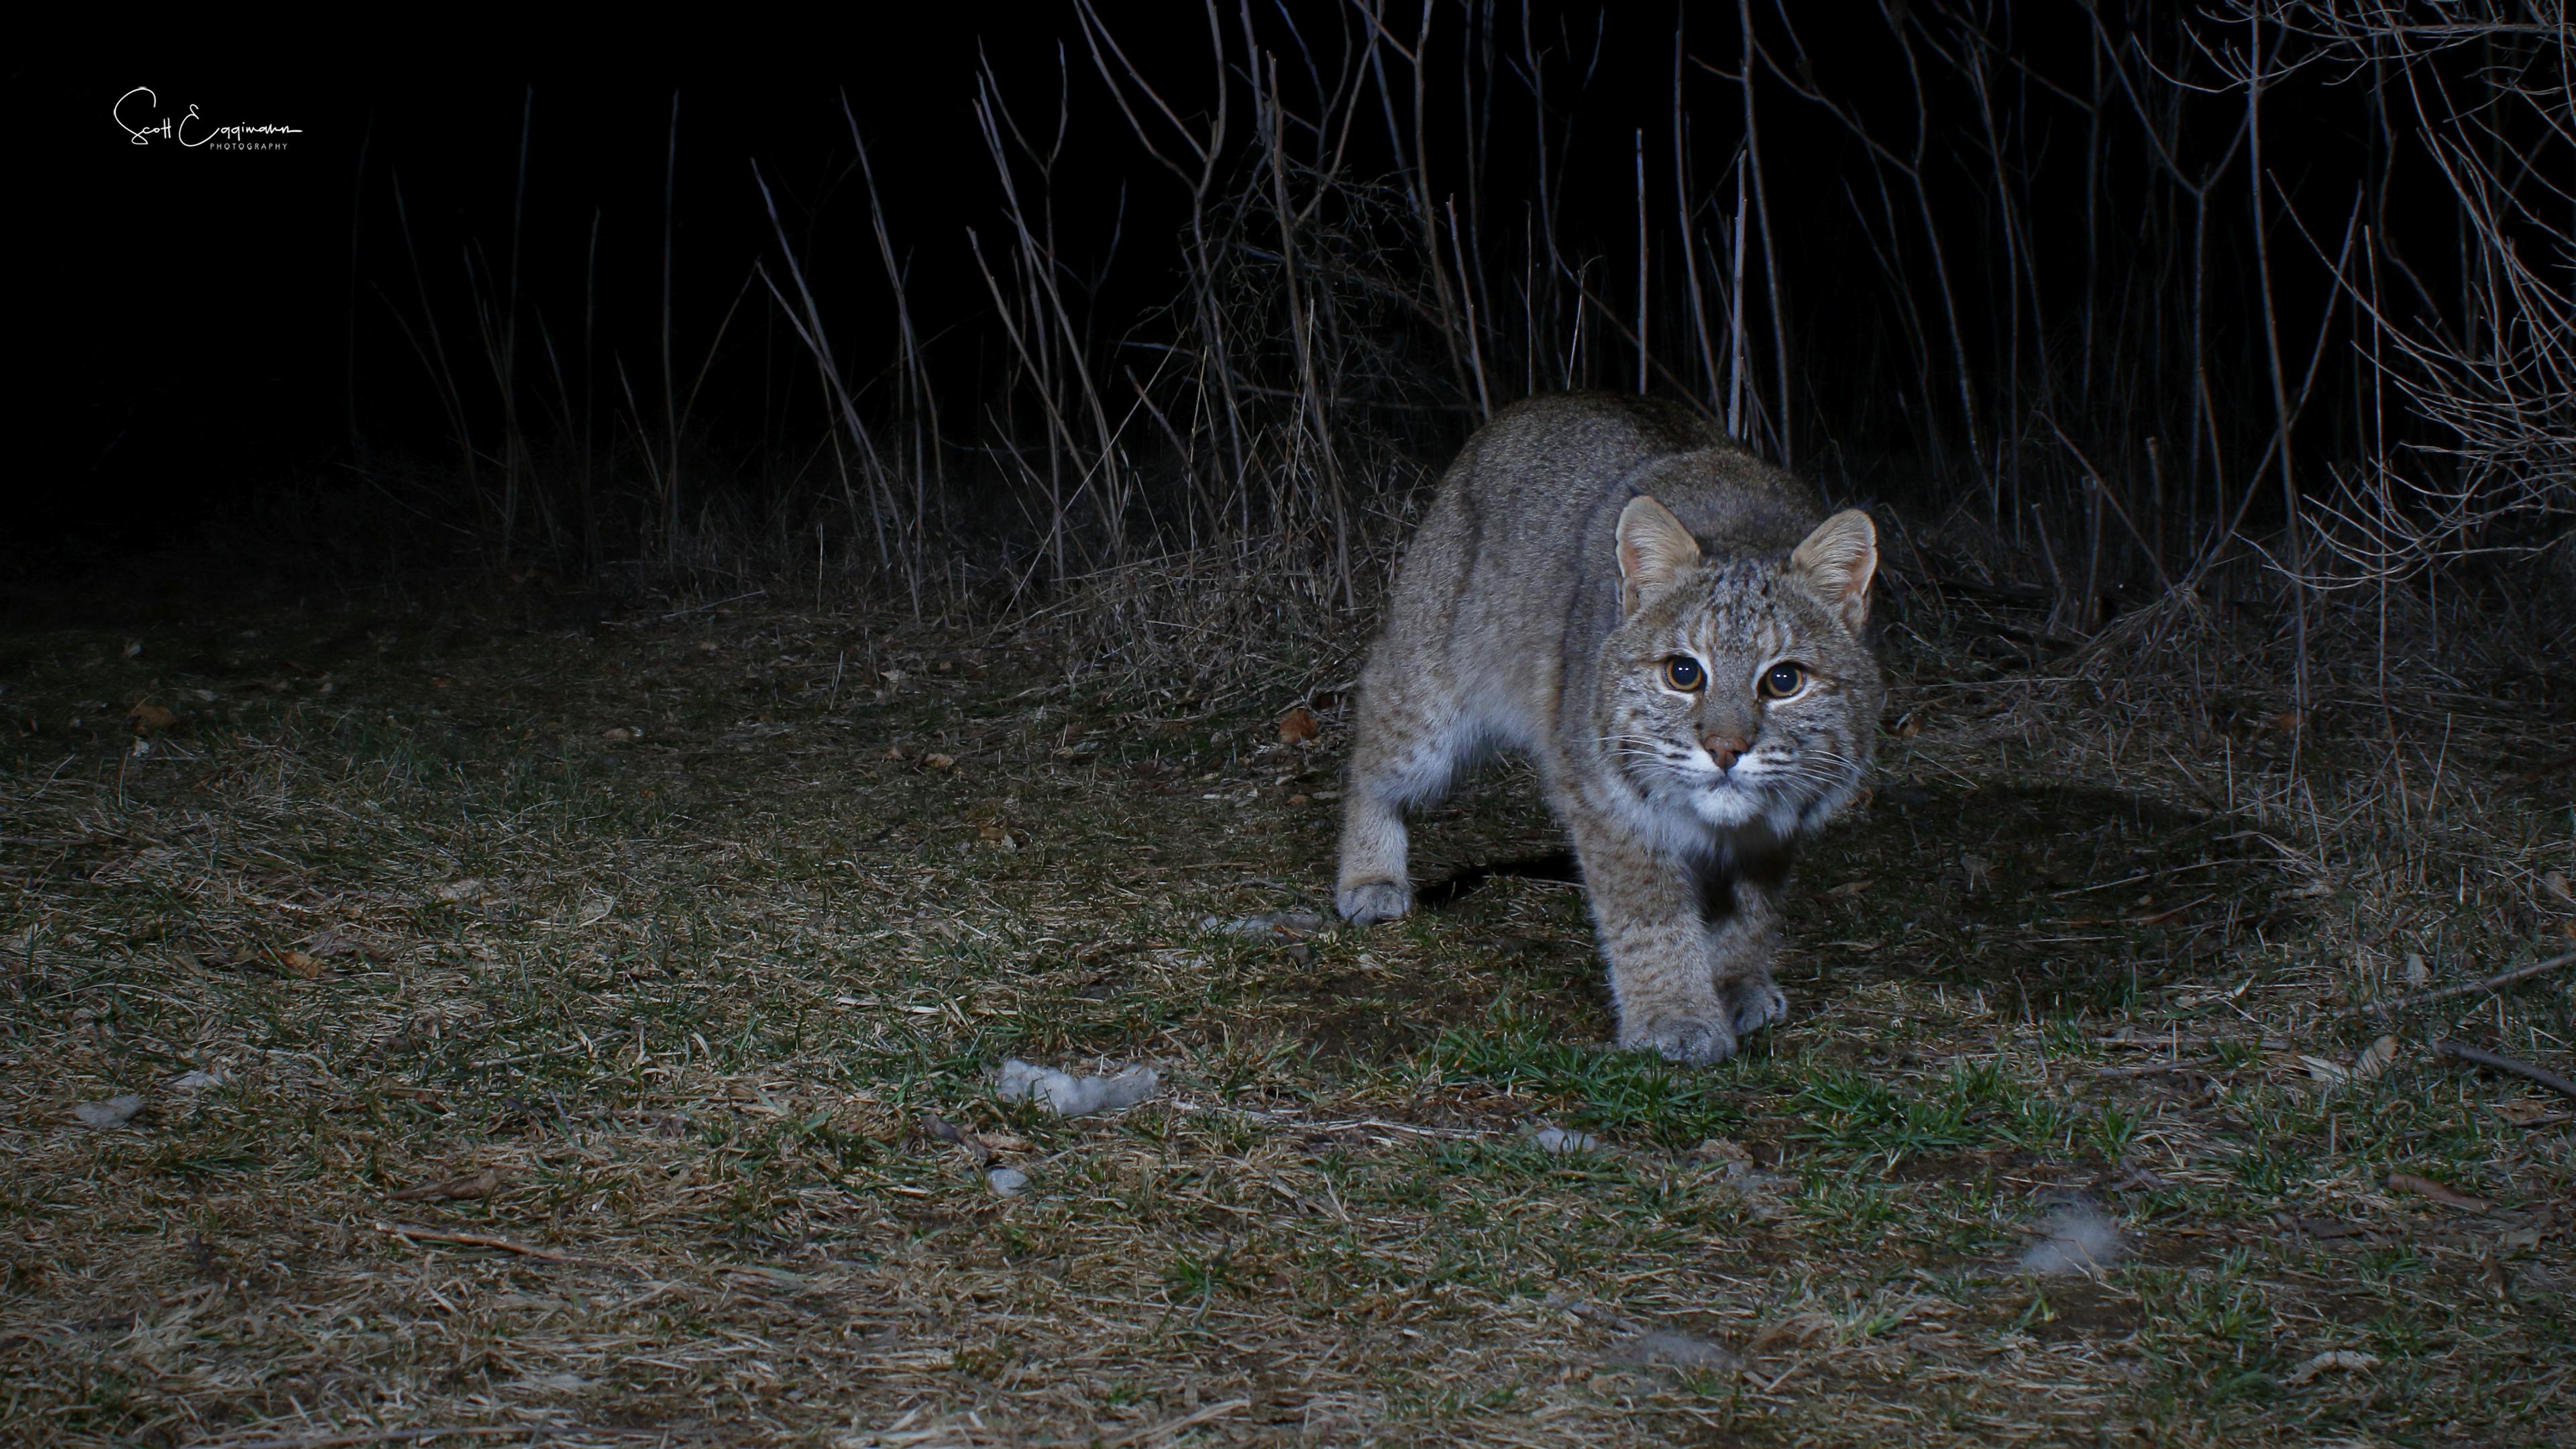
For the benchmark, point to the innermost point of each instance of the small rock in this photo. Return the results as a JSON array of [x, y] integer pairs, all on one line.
[[1562, 1140], [114, 1112], [1006, 1181], [1676, 1350], [202, 1079], [2333, 1358]]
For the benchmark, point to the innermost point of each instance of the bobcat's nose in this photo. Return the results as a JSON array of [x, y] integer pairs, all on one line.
[[1725, 748]]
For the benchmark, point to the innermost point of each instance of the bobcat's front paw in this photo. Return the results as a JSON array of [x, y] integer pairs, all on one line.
[[1693, 1041], [1371, 901], [1752, 1002]]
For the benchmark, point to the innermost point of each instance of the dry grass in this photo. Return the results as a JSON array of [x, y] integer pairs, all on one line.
[[686, 996]]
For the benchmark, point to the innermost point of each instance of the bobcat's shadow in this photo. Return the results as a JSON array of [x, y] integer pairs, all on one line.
[[1554, 865]]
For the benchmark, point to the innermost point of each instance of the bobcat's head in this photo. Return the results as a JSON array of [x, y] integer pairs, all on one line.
[[1739, 691]]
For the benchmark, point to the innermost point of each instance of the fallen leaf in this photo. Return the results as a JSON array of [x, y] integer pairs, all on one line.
[[149, 718], [1004, 1142], [2525, 1112], [2374, 1059], [1978, 872], [2555, 883], [934, 1125], [1797, 1328], [1850, 887], [2442, 1193], [939, 762], [300, 965], [2135, 1179], [1299, 727], [456, 892], [2333, 1358], [200, 1080], [114, 1112], [621, 732], [455, 1189], [2416, 972], [133, 648]]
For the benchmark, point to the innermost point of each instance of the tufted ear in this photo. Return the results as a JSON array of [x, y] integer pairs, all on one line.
[[1837, 561], [1653, 550]]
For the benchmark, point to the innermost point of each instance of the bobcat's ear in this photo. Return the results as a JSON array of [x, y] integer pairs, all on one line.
[[1837, 561], [1653, 550]]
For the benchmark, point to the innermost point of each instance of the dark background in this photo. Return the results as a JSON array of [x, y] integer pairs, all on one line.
[[206, 330]]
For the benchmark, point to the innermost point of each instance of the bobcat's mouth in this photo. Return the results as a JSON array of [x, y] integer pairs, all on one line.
[[1729, 803], [1754, 790]]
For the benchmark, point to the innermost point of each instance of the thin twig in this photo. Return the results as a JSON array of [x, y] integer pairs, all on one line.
[[680, 613], [418, 1233], [1165, 1430], [1608, 1318], [2476, 1056], [2157, 1069], [370, 1436], [2492, 983]]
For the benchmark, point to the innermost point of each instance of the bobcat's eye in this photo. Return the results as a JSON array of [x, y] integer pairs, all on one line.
[[1782, 680], [1682, 672]]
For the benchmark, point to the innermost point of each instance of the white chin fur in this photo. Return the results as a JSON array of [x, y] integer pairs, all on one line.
[[1725, 808]]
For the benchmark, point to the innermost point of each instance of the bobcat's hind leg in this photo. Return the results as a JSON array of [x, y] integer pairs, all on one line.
[[1405, 745]]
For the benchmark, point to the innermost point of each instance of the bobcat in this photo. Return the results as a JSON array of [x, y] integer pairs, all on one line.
[[1660, 619]]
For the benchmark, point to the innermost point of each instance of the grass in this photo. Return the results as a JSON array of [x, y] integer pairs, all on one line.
[[679, 928]]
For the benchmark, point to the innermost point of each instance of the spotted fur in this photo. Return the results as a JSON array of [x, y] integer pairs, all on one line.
[[1577, 549]]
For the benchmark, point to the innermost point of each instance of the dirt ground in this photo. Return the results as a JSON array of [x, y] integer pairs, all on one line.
[[554, 1029]]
